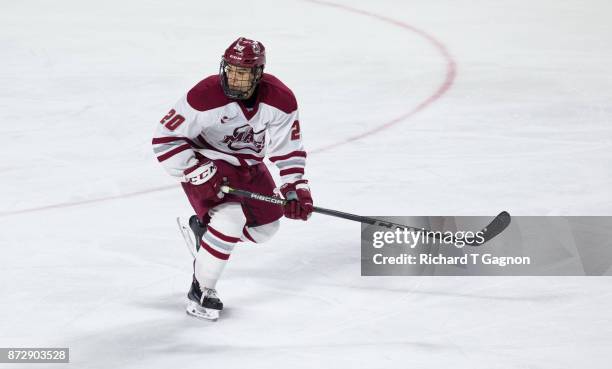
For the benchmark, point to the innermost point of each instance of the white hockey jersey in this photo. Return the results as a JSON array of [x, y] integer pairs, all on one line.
[[207, 122]]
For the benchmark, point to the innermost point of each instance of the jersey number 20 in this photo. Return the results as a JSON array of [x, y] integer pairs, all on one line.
[[172, 120]]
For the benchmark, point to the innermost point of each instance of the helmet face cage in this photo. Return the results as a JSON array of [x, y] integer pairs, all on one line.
[[247, 84]]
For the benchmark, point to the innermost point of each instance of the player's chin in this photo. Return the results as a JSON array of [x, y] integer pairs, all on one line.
[[239, 88]]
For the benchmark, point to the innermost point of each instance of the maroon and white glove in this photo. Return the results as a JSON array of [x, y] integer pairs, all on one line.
[[299, 205], [207, 177]]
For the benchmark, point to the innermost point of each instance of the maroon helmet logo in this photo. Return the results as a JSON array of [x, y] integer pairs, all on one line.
[[256, 48], [245, 138], [239, 47]]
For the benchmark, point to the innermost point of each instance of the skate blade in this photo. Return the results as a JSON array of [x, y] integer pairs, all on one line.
[[194, 309], [187, 236]]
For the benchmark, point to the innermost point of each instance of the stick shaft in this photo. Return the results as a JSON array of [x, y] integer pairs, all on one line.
[[495, 227], [316, 209]]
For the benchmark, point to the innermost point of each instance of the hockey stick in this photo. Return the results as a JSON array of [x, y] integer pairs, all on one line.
[[495, 227]]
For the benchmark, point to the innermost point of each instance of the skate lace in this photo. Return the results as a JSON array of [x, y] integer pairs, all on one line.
[[210, 293]]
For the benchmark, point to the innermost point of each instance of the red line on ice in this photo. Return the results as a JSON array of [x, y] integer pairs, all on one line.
[[451, 72]]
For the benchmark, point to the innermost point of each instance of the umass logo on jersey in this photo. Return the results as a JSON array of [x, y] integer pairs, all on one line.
[[245, 138]]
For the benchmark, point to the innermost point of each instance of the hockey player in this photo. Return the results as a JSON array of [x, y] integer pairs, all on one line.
[[220, 132]]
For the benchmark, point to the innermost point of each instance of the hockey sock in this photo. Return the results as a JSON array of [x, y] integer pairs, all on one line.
[[223, 232], [260, 234]]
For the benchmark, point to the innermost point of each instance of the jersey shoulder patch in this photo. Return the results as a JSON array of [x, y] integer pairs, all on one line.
[[207, 94], [276, 94]]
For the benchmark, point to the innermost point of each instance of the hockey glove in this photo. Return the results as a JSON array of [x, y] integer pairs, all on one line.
[[207, 178], [299, 205]]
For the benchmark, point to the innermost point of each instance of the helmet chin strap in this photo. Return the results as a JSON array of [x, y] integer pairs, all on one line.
[[240, 95], [251, 91]]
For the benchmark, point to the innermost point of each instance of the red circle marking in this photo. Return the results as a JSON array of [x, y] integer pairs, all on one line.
[[451, 71]]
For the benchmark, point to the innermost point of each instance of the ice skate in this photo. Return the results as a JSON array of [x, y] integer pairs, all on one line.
[[204, 305], [192, 231]]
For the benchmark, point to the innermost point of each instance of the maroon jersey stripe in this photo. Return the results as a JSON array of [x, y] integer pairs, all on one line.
[[287, 156], [164, 140], [173, 152]]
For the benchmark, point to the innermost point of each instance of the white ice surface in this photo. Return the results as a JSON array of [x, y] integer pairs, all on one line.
[[525, 126]]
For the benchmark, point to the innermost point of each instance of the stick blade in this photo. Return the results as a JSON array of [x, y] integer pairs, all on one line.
[[497, 226]]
